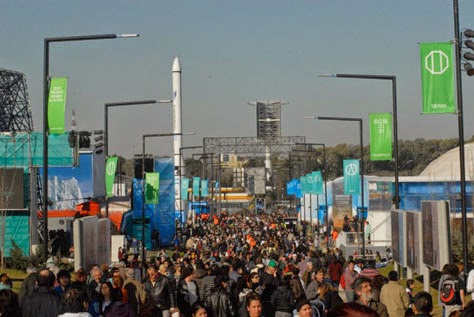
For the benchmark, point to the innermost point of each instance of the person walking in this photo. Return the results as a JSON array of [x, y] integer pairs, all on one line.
[[422, 304], [269, 282], [450, 280], [187, 292], [135, 292], [282, 299], [220, 303], [75, 303], [363, 289], [348, 277], [394, 296], [161, 292], [43, 302], [254, 305]]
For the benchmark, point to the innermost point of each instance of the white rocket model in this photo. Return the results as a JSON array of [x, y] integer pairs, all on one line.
[[177, 139]]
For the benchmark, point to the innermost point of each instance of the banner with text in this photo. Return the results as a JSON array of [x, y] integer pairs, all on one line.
[[152, 188], [204, 188], [110, 169], [437, 78], [380, 136], [351, 177], [57, 105], [196, 185], [317, 182], [184, 188]]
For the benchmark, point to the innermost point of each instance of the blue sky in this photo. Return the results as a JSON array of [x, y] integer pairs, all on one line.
[[232, 53]]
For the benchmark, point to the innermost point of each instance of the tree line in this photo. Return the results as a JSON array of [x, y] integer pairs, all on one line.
[[413, 157]]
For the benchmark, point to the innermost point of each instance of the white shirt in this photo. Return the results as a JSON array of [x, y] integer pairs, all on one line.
[[470, 283]]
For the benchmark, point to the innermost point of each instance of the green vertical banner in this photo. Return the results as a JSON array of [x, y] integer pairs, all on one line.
[[184, 188], [437, 78], [110, 168], [317, 182], [380, 136], [351, 177], [57, 105], [204, 189], [196, 184], [152, 188]]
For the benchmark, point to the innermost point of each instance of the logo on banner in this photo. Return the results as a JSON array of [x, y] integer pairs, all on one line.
[[437, 78], [381, 123], [436, 62], [111, 166], [352, 169]]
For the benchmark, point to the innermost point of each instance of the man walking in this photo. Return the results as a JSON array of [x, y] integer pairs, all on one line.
[[159, 289], [349, 277], [364, 293], [394, 296], [43, 302]]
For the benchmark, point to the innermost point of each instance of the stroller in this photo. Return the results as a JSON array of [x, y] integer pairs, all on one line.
[[317, 308]]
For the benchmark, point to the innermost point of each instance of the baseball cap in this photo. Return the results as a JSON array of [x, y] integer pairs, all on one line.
[[272, 263]]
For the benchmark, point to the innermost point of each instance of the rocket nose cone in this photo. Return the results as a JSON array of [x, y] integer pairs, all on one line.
[[176, 65]]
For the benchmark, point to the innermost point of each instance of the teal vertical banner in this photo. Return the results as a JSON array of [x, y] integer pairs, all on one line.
[[184, 188], [303, 184], [204, 188], [317, 182], [309, 183], [351, 177], [196, 185]]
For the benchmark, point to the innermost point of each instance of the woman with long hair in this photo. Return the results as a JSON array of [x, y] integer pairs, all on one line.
[[75, 303], [97, 307], [328, 294]]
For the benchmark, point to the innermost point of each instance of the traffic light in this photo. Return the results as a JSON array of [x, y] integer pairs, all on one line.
[[468, 55], [84, 139], [99, 141]]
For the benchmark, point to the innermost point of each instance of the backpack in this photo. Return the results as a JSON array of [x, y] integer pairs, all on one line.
[[342, 282], [448, 291]]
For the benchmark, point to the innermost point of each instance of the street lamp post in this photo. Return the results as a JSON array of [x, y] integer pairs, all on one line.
[[393, 79], [462, 164], [106, 127], [325, 186], [361, 169], [144, 137], [47, 41]]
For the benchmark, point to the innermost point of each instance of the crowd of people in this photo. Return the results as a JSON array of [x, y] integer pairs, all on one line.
[[234, 265]]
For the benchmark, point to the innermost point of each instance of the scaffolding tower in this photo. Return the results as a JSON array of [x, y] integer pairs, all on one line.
[[15, 112], [15, 116]]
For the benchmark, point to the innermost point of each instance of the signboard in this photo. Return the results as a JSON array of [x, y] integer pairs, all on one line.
[[436, 233], [398, 236], [414, 240], [12, 193]]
